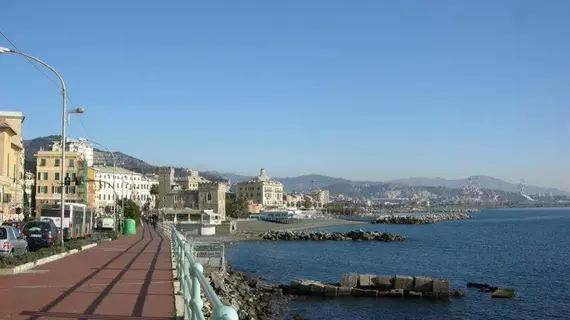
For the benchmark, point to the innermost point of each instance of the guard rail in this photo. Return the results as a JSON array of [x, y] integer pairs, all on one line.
[[192, 280]]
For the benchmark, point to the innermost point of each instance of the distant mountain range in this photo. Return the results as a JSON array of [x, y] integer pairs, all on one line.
[[305, 182]]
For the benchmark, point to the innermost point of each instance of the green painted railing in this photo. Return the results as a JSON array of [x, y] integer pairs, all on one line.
[[192, 280]]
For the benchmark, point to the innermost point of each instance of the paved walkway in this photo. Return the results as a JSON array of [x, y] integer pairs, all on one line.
[[130, 278]]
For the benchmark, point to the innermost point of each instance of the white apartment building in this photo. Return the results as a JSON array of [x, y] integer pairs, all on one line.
[[81, 147], [128, 184]]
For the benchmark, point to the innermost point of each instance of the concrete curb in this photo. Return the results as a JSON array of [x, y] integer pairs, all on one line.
[[89, 246], [39, 262]]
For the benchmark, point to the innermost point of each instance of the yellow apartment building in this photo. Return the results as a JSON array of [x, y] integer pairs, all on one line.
[[11, 166], [48, 181], [261, 191]]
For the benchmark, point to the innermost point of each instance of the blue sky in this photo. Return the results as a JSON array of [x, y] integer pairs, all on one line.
[[358, 89]]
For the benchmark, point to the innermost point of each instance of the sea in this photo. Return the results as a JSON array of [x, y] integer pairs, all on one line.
[[524, 249]]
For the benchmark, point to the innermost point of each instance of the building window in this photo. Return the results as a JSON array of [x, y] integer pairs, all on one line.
[[42, 162], [56, 163], [209, 197], [57, 176], [70, 190], [71, 163]]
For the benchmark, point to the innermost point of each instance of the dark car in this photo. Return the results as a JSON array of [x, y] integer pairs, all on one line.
[[40, 234]]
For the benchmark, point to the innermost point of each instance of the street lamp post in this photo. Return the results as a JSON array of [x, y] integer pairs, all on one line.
[[63, 115]]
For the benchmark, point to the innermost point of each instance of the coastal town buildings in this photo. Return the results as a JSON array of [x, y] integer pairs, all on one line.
[[186, 189], [293, 199], [127, 184], [11, 164], [319, 196], [261, 191], [48, 186]]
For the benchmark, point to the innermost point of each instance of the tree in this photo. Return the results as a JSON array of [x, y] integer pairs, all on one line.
[[298, 204], [132, 210], [307, 203], [26, 207], [237, 208], [154, 189]]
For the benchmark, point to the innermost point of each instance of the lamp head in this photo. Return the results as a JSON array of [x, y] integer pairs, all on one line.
[[76, 110]]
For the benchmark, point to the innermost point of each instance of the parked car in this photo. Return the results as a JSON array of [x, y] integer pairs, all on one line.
[[40, 234], [12, 223], [11, 242]]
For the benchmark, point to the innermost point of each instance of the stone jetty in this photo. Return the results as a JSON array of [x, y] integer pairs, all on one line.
[[372, 286], [421, 219], [356, 235], [498, 292]]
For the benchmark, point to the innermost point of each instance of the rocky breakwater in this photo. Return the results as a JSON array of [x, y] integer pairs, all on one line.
[[251, 297], [373, 286], [421, 219], [356, 235]]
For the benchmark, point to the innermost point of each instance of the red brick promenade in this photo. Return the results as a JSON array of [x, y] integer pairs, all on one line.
[[130, 278]]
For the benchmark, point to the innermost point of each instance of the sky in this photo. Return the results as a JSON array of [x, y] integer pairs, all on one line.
[[367, 90]]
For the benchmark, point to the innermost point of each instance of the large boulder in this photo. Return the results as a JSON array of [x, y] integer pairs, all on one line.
[[403, 282], [349, 280]]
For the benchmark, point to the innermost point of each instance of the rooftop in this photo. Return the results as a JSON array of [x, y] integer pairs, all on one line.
[[262, 177]]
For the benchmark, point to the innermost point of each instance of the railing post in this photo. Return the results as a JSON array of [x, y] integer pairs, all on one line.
[[197, 303]]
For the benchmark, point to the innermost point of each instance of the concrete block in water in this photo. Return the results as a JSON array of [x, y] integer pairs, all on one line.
[[396, 293], [382, 283], [316, 289], [330, 291], [365, 281], [414, 294], [403, 282], [304, 287], [349, 280], [383, 293], [423, 284], [370, 293], [357, 292], [441, 287], [344, 291], [430, 294], [503, 293]]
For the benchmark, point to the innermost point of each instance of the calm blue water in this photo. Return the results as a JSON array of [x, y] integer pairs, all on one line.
[[526, 249]]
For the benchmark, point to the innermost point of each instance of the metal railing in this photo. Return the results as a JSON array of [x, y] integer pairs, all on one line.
[[192, 280]]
